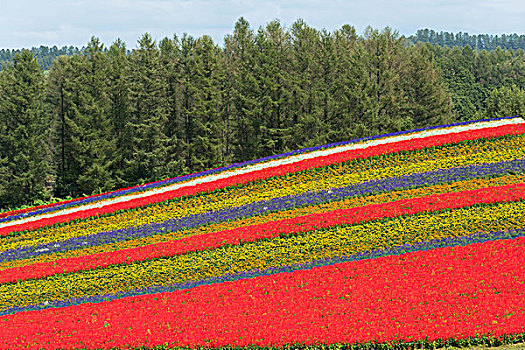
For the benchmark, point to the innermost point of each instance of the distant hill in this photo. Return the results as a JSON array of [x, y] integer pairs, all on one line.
[[44, 54], [477, 42]]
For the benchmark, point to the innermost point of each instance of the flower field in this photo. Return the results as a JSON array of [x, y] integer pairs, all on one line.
[[408, 240]]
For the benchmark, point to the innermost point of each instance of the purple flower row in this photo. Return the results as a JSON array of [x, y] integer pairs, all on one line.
[[166, 182], [479, 237], [276, 204]]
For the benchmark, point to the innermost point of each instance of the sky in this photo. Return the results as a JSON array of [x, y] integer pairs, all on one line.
[[30, 23]]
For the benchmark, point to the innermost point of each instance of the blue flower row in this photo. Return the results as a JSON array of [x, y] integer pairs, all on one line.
[[479, 237], [277, 204]]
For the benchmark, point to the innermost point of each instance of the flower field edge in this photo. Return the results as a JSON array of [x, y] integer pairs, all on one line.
[[227, 180], [304, 150]]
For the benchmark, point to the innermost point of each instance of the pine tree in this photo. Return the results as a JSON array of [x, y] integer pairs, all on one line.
[[4, 143], [118, 94], [96, 142], [346, 91], [187, 121], [305, 127], [246, 105], [24, 140], [170, 56], [147, 113], [467, 96], [224, 75], [204, 108], [77, 90], [506, 102], [384, 55], [273, 75], [59, 96], [429, 102]]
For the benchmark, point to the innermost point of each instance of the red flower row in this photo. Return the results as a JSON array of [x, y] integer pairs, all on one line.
[[276, 171], [271, 229], [443, 293]]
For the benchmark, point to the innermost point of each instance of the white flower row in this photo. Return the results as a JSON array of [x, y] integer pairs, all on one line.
[[271, 164]]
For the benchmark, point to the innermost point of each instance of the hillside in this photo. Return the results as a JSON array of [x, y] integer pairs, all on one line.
[[110, 118], [408, 239]]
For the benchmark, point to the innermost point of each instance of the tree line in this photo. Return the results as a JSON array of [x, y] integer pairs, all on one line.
[[482, 83], [108, 118], [45, 55], [477, 42]]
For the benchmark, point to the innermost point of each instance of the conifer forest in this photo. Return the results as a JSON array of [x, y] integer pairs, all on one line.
[[101, 118]]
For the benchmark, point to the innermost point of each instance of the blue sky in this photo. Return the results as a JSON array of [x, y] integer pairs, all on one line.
[[28, 23]]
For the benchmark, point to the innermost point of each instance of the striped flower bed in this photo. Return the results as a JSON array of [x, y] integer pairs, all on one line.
[[410, 238]]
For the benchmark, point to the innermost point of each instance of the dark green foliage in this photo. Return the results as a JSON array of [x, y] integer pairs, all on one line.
[[471, 76], [95, 140], [429, 104], [387, 101], [203, 109], [479, 42], [506, 101], [170, 57], [43, 54], [305, 125], [272, 69], [78, 95], [244, 91], [103, 119], [59, 102], [24, 130], [118, 94], [147, 113]]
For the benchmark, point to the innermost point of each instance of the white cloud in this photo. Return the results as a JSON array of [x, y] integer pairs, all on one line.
[[27, 23]]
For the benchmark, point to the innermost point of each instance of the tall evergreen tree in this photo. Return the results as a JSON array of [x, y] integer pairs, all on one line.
[[58, 100], [467, 96], [240, 49], [147, 113], [429, 103], [201, 104], [506, 102], [170, 56], [205, 147], [225, 68], [118, 94], [273, 75], [187, 126], [24, 139], [386, 67], [4, 142], [306, 126], [346, 90], [95, 140], [85, 143]]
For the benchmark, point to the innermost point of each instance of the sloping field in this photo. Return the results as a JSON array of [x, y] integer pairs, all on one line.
[[415, 238]]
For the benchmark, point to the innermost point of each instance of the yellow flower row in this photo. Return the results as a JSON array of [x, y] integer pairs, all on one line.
[[343, 175], [325, 207], [263, 254]]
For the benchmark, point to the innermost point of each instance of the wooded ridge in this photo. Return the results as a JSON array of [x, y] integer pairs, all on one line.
[[106, 118]]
